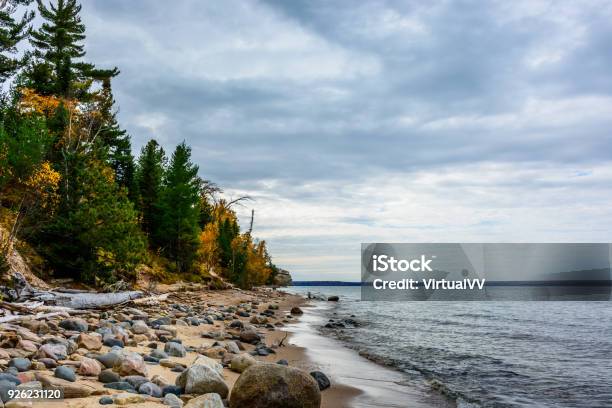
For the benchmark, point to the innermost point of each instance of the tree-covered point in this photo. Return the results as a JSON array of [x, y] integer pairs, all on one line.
[[69, 184]]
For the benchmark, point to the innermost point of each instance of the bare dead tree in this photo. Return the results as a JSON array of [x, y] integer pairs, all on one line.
[[252, 218]]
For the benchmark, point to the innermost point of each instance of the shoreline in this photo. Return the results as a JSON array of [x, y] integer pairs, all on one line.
[[355, 381], [359, 382]]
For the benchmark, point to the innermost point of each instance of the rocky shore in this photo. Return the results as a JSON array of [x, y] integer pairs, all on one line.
[[191, 349]]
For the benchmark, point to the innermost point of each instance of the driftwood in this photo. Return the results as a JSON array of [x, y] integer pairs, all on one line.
[[22, 291], [21, 318], [87, 300]]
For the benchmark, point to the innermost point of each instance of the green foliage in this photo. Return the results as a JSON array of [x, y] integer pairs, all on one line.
[[179, 208], [149, 177], [69, 181], [58, 47], [99, 237], [24, 142], [12, 32]]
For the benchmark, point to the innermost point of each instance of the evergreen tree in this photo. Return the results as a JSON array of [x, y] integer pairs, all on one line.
[[116, 141], [179, 207], [99, 240], [149, 177], [12, 31], [58, 48]]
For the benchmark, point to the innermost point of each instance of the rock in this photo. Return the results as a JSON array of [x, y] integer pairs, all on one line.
[[249, 335], [213, 352], [127, 399], [150, 389], [333, 299], [27, 345], [21, 364], [10, 378], [275, 386], [172, 389], [48, 362], [75, 324], [282, 361], [113, 342], [170, 329], [71, 390], [130, 363], [172, 401], [136, 380], [65, 373], [321, 379], [89, 341], [120, 385], [5, 387], [241, 362], [108, 376], [158, 354], [210, 400], [89, 367], [109, 360], [159, 380], [175, 349], [53, 351], [201, 379], [296, 311], [106, 400], [140, 327], [282, 278], [232, 347], [203, 360], [236, 324]]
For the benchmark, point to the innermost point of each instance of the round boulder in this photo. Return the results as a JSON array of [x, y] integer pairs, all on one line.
[[268, 385]]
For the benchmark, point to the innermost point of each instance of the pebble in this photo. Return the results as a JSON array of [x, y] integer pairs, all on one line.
[[172, 401], [105, 400], [108, 376], [21, 364], [65, 373]]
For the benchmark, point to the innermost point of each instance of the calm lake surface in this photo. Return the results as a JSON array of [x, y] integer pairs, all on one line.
[[489, 354]]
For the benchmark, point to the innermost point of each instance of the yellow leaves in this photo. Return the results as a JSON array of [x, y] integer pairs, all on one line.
[[31, 102], [208, 251], [43, 183]]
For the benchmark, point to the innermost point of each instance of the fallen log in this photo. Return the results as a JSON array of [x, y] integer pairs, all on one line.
[[21, 318], [87, 300]]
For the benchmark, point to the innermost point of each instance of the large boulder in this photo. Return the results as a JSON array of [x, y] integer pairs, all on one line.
[[268, 385], [282, 278], [201, 379], [207, 361]]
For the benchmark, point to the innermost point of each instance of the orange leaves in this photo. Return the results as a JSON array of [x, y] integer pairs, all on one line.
[[31, 102]]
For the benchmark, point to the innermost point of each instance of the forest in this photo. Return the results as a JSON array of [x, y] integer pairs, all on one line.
[[74, 197]]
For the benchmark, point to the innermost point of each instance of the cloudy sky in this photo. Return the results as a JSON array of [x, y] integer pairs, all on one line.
[[376, 121]]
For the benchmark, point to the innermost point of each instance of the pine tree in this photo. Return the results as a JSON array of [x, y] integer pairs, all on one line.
[[12, 31], [58, 48], [115, 140], [99, 239], [180, 212], [149, 177]]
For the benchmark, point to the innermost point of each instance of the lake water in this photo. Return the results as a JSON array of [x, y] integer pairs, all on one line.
[[489, 354]]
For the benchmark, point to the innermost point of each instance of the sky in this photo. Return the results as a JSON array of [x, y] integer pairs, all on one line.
[[376, 121]]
